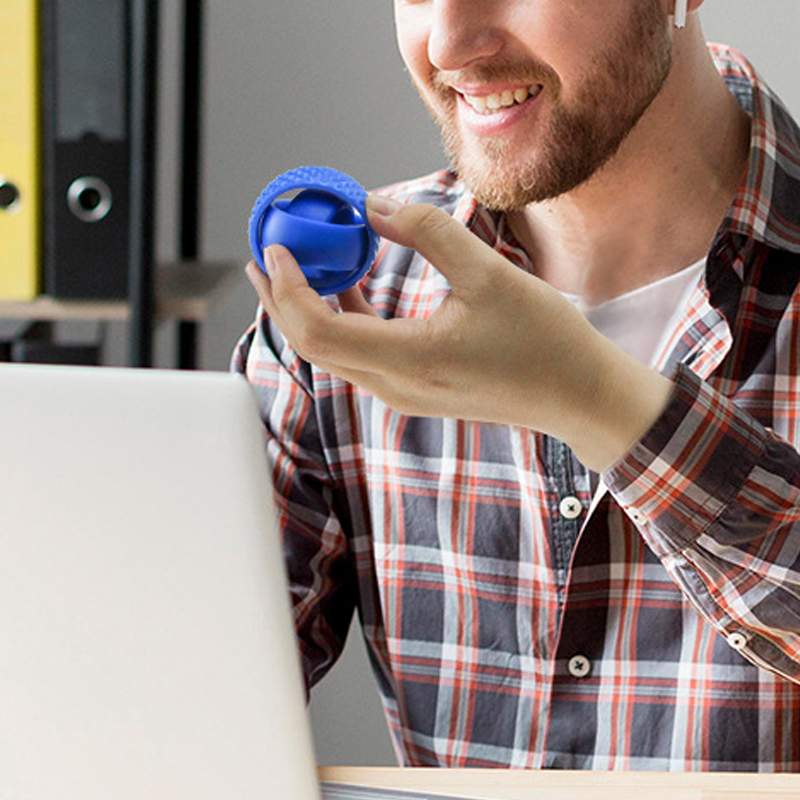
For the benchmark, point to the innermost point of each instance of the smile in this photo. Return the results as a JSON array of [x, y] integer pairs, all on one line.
[[489, 103]]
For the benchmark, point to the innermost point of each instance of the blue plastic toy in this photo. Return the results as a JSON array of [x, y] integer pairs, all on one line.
[[324, 226]]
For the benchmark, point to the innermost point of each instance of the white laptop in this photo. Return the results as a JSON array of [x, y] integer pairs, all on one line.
[[146, 645]]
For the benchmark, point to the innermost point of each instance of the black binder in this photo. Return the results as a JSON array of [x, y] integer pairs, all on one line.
[[87, 128]]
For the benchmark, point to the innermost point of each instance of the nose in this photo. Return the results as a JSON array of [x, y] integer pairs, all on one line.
[[463, 32]]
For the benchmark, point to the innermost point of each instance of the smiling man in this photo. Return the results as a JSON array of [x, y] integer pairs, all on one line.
[[519, 126], [548, 448]]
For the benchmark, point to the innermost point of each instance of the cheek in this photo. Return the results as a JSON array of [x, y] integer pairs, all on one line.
[[567, 36]]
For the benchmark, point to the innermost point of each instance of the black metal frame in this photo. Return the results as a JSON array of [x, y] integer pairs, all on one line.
[[143, 109]]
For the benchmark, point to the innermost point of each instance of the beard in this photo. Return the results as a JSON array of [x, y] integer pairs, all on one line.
[[580, 138]]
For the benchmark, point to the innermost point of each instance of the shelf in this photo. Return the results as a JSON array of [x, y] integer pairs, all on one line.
[[185, 292]]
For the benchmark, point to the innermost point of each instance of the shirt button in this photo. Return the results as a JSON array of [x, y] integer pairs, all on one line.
[[579, 666], [637, 517], [738, 641], [570, 507]]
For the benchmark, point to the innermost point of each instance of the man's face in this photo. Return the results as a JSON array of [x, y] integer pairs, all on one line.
[[532, 97]]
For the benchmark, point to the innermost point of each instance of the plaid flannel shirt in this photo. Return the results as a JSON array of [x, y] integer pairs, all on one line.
[[512, 616]]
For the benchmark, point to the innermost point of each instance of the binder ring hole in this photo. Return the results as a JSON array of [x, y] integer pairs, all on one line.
[[89, 199], [9, 196]]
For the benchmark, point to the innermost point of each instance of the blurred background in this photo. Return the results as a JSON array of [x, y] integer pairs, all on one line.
[[321, 82]]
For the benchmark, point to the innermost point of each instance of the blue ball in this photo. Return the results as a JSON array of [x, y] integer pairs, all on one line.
[[324, 226]]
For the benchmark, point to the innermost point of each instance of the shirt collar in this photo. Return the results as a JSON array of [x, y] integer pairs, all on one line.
[[767, 205]]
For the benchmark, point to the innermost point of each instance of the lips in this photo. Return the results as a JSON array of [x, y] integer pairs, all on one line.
[[493, 110]]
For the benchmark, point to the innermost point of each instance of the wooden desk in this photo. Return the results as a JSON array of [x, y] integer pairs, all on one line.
[[568, 785]]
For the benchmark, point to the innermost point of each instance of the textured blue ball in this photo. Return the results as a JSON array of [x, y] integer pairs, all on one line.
[[324, 226]]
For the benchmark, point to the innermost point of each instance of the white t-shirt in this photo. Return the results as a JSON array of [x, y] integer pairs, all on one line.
[[638, 321]]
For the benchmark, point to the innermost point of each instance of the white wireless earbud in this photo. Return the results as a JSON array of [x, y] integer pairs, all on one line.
[[680, 13]]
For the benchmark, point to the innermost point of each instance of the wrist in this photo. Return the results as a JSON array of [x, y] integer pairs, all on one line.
[[617, 408]]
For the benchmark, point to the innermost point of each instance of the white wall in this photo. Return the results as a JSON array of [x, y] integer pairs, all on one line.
[[301, 82]]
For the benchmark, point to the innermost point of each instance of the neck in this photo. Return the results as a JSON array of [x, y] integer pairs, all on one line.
[[656, 206]]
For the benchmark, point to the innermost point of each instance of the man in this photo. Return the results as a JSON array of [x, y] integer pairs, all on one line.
[[548, 450]]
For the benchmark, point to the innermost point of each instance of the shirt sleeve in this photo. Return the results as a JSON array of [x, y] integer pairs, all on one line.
[[319, 568], [715, 495]]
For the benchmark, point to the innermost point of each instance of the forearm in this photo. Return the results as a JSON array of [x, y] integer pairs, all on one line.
[[717, 497]]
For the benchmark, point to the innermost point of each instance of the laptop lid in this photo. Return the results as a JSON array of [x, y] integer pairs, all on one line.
[[146, 643]]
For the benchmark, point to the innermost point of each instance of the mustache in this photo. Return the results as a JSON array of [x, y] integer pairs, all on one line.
[[528, 73]]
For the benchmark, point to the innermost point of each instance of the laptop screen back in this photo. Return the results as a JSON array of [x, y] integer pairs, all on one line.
[[146, 645]]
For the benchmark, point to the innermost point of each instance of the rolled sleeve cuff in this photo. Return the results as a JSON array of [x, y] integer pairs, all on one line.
[[680, 477]]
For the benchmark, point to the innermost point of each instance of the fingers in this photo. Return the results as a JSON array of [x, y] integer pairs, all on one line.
[[353, 301], [285, 289], [356, 341], [465, 260], [287, 284]]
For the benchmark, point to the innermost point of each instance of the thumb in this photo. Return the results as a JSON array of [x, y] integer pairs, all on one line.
[[455, 251]]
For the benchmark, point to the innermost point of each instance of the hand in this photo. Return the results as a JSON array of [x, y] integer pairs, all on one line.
[[503, 346]]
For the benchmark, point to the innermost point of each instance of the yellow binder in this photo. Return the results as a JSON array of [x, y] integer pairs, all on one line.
[[20, 202]]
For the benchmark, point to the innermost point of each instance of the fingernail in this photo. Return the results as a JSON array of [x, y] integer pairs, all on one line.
[[269, 262], [382, 206], [255, 272]]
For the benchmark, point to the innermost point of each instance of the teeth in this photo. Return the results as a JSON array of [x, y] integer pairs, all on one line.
[[486, 104]]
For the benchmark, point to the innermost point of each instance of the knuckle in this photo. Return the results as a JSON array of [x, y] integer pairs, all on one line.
[[403, 391], [282, 292], [403, 400], [310, 341], [429, 221]]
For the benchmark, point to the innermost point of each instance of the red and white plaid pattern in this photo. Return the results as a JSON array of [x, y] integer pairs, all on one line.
[[659, 629]]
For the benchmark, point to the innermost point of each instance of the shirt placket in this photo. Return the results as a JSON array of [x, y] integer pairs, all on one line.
[[571, 726], [569, 486]]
